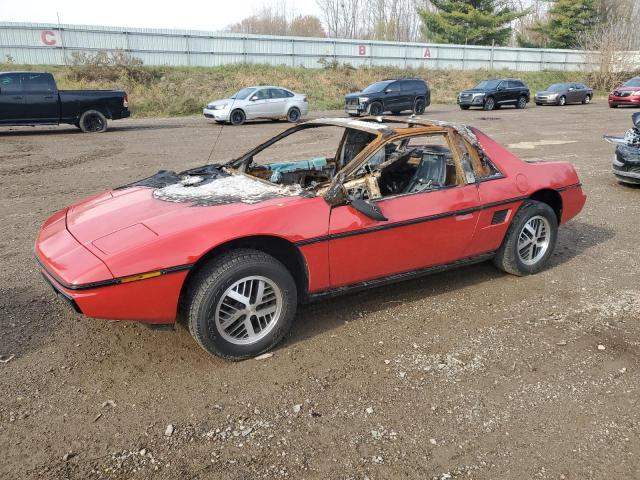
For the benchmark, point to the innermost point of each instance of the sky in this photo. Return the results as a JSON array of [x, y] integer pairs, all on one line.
[[179, 14]]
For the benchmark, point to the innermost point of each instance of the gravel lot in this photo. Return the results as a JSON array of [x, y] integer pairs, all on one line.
[[468, 374]]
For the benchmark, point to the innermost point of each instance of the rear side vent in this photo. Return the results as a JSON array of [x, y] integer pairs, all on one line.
[[499, 217]]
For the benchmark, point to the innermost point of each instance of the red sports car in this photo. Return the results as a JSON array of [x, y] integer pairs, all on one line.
[[626, 94], [233, 248]]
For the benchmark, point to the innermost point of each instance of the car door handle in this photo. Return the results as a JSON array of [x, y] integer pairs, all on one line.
[[17, 97], [48, 97]]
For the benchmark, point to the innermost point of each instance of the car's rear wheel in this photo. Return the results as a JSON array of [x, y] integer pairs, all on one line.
[[375, 109], [92, 121], [530, 240], [240, 305], [237, 117], [489, 104], [293, 115], [522, 102], [419, 106], [562, 101], [586, 100]]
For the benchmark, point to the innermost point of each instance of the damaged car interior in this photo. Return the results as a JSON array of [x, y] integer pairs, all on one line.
[[376, 158]]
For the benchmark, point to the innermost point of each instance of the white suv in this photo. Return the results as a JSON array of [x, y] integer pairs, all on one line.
[[258, 102]]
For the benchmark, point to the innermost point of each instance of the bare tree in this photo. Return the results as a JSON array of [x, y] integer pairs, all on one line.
[[614, 44], [279, 19]]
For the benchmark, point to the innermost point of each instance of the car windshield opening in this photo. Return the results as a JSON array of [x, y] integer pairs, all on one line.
[[487, 84], [308, 157], [634, 82], [557, 87], [377, 87], [243, 94]]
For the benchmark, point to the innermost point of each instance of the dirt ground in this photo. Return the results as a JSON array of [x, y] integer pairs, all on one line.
[[468, 374]]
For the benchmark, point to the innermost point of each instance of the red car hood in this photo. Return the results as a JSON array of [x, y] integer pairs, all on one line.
[[626, 89], [115, 221]]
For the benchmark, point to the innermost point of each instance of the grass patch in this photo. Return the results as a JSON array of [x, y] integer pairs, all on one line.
[[175, 91]]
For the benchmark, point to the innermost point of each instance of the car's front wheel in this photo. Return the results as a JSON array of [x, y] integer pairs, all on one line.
[[241, 304], [489, 104], [587, 99], [530, 240], [562, 101], [237, 117], [375, 109]]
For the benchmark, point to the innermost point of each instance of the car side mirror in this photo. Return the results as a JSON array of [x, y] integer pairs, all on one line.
[[636, 119], [254, 98], [368, 209], [571, 89]]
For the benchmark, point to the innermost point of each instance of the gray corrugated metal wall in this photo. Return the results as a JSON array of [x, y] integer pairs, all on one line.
[[41, 44]]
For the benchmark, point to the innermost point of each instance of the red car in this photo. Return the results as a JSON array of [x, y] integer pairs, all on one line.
[[627, 94], [232, 249]]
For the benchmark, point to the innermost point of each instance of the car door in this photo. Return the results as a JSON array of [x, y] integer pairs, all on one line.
[[392, 97], [576, 94], [11, 98], [407, 94], [40, 98], [277, 103], [257, 107], [502, 93], [428, 228]]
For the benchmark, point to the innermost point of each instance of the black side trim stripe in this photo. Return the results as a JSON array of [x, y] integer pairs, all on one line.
[[398, 277], [413, 221], [112, 281], [569, 187]]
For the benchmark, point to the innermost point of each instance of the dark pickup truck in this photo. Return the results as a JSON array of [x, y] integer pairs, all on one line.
[[32, 98]]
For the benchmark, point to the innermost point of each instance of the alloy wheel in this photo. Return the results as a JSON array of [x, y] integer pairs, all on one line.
[[248, 310], [533, 240], [93, 123]]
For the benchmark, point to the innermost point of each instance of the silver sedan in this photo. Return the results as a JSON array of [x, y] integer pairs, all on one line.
[[564, 93], [258, 102]]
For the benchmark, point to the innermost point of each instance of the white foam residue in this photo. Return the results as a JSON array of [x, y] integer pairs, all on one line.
[[235, 188]]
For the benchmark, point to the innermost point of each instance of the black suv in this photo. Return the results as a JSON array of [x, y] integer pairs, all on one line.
[[490, 94], [392, 96]]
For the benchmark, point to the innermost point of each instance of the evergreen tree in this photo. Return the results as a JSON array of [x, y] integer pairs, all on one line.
[[568, 21], [470, 22]]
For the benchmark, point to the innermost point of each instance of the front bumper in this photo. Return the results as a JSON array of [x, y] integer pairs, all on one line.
[[546, 100], [620, 101], [219, 115], [472, 101], [357, 108], [627, 172]]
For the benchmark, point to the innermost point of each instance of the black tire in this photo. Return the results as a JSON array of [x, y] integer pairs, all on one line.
[[419, 106], [237, 117], [208, 286], [489, 104], [562, 101], [375, 109], [464, 107], [507, 257], [522, 102], [587, 99], [293, 115], [92, 121]]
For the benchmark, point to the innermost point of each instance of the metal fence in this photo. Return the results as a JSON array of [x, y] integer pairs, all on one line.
[[47, 44]]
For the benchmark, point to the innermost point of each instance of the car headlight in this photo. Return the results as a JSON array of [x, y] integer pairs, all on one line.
[[635, 94], [211, 106], [363, 99]]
